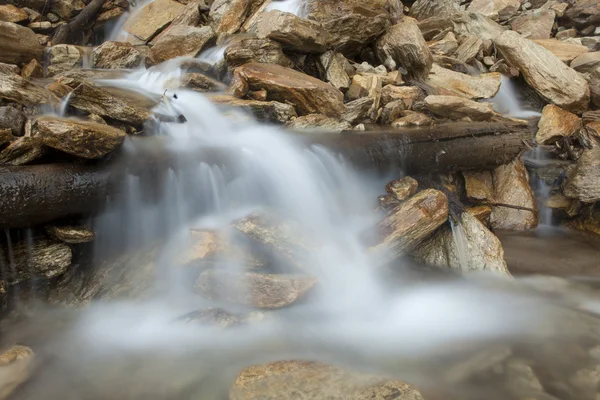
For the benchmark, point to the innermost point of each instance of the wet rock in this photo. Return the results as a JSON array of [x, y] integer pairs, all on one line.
[[6, 137], [71, 234], [495, 9], [266, 111], [589, 66], [455, 107], [18, 44], [482, 86], [21, 151], [482, 213], [82, 139], [13, 119], [411, 222], [403, 46], [44, 258], [583, 181], [266, 291], [181, 40], [32, 69], [480, 249], [358, 110], [9, 69], [319, 123], [583, 13], [16, 366], [152, 19], [423, 9], [412, 119], [94, 100], [287, 380], [117, 55], [403, 188], [563, 50], [10, 13], [63, 57], [228, 15], [408, 94], [22, 91], [589, 224], [511, 187], [536, 24], [546, 73], [392, 111], [445, 46], [476, 25], [67, 9], [479, 185], [308, 94], [201, 83], [253, 49], [556, 123], [335, 67], [294, 33]]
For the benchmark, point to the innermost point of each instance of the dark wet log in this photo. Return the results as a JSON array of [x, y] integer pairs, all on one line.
[[38, 194], [78, 23]]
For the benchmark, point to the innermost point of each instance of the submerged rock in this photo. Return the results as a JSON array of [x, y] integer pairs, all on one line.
[[180, 41], [71, 234], [556, 123], [228, 15], [16, 366], [482, 86], [583, 181], [152, 18], [563, 50], [117, 55], [18, 44], [455, 107]]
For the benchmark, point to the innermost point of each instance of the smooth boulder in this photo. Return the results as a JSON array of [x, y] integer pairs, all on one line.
[[16, 367], [71, 234], [14, 88], [18, 44]]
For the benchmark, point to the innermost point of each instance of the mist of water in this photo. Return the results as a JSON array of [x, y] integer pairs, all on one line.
[[507, 101]]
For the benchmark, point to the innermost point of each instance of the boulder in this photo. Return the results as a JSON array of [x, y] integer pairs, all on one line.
[[81, 139], [336, 69], [18, 44], [32, 69], [358, 110], [152, 18], [467, 246], [71, 234], [117, 55], [564, 50], [392, 111], [403, 46], [294, 33], [408, 94], [583, 13], [511, 187], [556, 123], [484, 86], [13, 119], [254, 49], [44, 258], [544, 72], [10, 13], [181, 40], [476, 25], [67, 9], [366, 86], [266, 111], [403, 188], [455, 107], [319, 123], [495, 9], [265, 291], [229, 15], [583, 181], [536, 24], [469, 48], [21, 151], [412, 119], [200, 83], [422, 9], [14, 88], [445, 46], [589, 66], [411, 222], [62, 58], [94, 100], [288, 380], [308, 94], [16, 366]]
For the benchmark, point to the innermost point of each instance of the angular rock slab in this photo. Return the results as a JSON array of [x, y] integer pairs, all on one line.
[[511, 186], [10, 13], [229, 15], [583, 182], [267, 111], [265, 291], [566, 51], [16, 366], [152, 18], [116, 55], [455, 107], [308, 94], [544, 72], [484, 86], [181, 40], [253, 49], [556, 123], [422, 9], [535, 25], [495, 9], [18, 44], [22, 91]]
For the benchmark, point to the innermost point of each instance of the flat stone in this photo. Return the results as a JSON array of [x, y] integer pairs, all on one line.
[[408, 94], [475, 24], [336, 67], [32, 69], [368, 85], [403, 188], [181, 40], [10, 13], [116, 55], [495, 9], [16, 367], [455, 107], [62, 58], [412, 119], [319, 123], [18, 44], [228, 15], [583, 182], [358, 110], [536, 24], [479, 185], [484, 86], [563, 50], [469, 48], [253, 49], [556, 123], [422, 9], [12, 119], [266, 111], [445, 46], [583, 13], [22, 91], [67, 9], [153, 18], [71, 234], [21, 151]]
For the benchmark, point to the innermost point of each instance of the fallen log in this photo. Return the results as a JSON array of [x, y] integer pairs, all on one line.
[[31, 195]]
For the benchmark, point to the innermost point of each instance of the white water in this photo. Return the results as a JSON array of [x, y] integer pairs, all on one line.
[[296, 7], [507, 103]]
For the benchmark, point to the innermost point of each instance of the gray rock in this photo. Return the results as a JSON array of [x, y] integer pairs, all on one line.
[[117, 55], [13, 119]]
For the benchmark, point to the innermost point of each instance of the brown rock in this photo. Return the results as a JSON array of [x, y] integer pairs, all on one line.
[[495, 9], [423, 9], [264, 291], [412, 119], [589, 66], [308, 94], [583, 13], [408, 94], [63, 57], [6, 137], [19, 90], [181, 40], [71, 234], [201, 83], [10, 13], [335, 69], [403, 188], [21, 151], [589, 224], [403, 46], [556, 123], [82, 139], [469, 48], [18, 44], [16, 366], [455, 107], [476, 25], [12, 119], [479, 185], [482, 86], [366, 86], [318, 123], [267, 111], [563, 50], [67, 9], [229, 15], [392, 111], [535, 25], [412, 222], [44, 258], [116, 55], [32, 69], [545, 72], [583, 182], [358, 110], [153, 18], [445, 46], [254, 49]]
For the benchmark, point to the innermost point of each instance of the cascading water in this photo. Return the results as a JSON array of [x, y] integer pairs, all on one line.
[[507, 102], [296, 7]]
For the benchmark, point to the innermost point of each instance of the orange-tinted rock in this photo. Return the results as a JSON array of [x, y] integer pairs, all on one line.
[[556, 123], [153, 18]]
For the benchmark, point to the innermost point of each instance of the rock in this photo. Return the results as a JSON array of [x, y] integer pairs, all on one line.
[[366, 86], [522, 380], [583, 182], [479, 185], [422, 9], [229, 15], [13, 119], [589, 66], [81, 139], [589, 224], [43, 27], [412, 119], [544, 72], [536, 24], [62, 58], [294, 33], [469, 48], [471, 247], [403, 46], [358, 110], [318, 123], [10, 13], [200, 83], [335, 69], [511, 187], [476, 25], [16, 366], [408, 94], [266, 111], [556, 123], [411, 222], [482, 213], [191, 14], [253, 49], [94, 100], [116, 55], [21, 151], [18, 45], [67, 9], [403, 188], [583, 13], [445, 46], [563, 50], [392, 111], [495, 9], [6, 137], [152, 18], [288, 380], [266, 291], [14, 88], [71, 234], [566, 34], [484, 86], [44, 258], [308, 94], [32, 69], [9, 69], [366, 68], [181, 40], [455, 107]]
